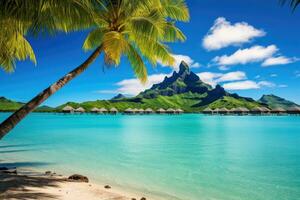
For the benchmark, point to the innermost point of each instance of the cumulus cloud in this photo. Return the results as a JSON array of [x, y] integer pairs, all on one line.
[[224, 68], [215, 78], [223, 34], [179, 58], [248, 55], [247, 85], [281, 60], [134, 86]]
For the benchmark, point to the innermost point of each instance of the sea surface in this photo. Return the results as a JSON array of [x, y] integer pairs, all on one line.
[[184, 157]]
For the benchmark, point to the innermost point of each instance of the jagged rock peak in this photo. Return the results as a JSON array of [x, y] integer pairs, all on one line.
[[183, 68], [119, 96]]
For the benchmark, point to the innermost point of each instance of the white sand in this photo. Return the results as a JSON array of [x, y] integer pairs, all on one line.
[[37, 186]]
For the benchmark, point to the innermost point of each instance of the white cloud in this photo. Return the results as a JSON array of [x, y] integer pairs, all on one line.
[[134, 86], [281, 60], [215, 78], [247, 85], [241, 85], [232, 76], [273, 75], [266, 84], [224, 68], [223, 34], [248, 55], [282, 86], [209, 77], [179, 58]]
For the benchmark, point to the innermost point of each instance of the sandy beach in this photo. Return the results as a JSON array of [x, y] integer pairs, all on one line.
[[35, 185]]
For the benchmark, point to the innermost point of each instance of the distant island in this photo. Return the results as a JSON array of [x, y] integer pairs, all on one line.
[[184, 90]]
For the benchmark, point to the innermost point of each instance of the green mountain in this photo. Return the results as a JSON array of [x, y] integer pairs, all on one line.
[[276, 102], [184, 89], [9, 105]]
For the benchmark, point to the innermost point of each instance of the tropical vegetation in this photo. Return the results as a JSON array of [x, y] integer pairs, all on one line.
[[138, 29]]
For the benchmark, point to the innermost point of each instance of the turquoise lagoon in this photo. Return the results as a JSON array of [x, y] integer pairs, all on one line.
[[186, 157]]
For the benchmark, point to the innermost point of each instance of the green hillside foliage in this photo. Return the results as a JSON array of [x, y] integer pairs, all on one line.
[[8, 105], [277, 102]]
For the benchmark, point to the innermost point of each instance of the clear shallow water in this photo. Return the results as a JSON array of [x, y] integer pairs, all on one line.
[[187, 157]]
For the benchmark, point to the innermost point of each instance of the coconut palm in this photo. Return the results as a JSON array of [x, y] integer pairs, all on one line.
[[18, 17], [293, 3], [137, 29]]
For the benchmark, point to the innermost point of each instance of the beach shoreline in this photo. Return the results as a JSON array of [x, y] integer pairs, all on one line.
[[30, 184]]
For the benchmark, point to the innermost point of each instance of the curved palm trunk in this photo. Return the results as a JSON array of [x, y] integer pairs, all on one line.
[[16, 117]]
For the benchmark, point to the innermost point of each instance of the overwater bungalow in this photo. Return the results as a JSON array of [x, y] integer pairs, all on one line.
[[95, 110], [113, 111], [266, 110], [79, 110], [294, 110], [223, 111], [208, 111], [216, 111], [103, 110], [149, 111], [135, 111], [68, 109], [246, 111], [129, 111], [239, 111], [257, 111], [141, 111], [161, 111], [278, 111], [170, 111], [179, 111]]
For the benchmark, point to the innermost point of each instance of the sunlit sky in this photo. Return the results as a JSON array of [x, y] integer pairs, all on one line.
[[250, 47]]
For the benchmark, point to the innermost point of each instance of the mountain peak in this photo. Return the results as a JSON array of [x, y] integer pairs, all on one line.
[[183, 67], [119, 96]]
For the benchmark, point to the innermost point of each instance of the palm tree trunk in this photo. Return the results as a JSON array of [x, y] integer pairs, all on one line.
[[20, 114]]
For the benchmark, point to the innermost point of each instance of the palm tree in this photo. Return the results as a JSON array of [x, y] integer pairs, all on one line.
[[18, 17], [137, 29], [293, 3]]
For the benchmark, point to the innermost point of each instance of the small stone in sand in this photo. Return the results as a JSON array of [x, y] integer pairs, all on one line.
[[78, 178], [133, 198], [143, 198], [48, 172], [107, 187]]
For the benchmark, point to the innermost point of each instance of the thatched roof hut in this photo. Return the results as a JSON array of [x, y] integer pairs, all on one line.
[[113, 111], [68, 109], [135, 110], [179, 111], [141, 111], [80, 110], [128, 111], [278, 111], [95, 110], [294, 110], [170, 111], [265, 110], [161, 111], [257, 111], [207, 111], [245, 110], [103, 110], [149, 111], [239, 111], [216, 111], [223, 111]]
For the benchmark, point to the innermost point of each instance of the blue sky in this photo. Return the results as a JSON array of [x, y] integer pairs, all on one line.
[[250, 47]]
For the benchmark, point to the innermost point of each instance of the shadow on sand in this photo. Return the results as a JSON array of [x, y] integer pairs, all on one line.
[[24, 187]]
